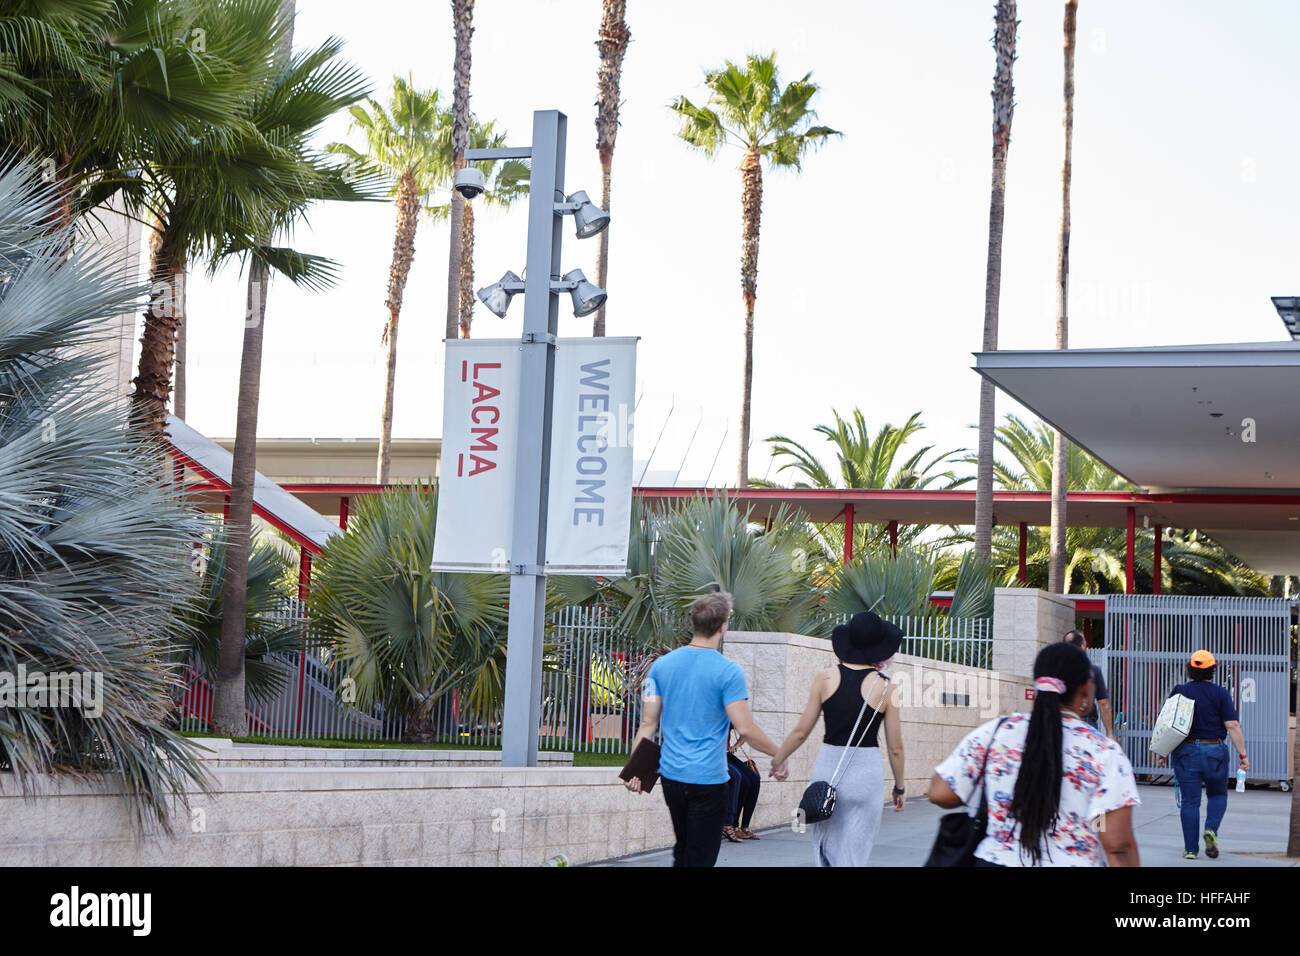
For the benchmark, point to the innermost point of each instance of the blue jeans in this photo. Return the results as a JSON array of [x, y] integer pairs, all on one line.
[[1196, 765]]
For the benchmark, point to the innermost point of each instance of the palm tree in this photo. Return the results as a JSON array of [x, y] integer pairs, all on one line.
[[407, 143], [1193, 563], [306, 90], [749, 108], [92, 85], [406, 634], [612, 44], [190, 190], [1004, 45], [1056, 565], [94, 574], [866, 462], [462, 14]]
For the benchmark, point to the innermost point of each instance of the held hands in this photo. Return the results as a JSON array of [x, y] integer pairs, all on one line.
[[779, 770]]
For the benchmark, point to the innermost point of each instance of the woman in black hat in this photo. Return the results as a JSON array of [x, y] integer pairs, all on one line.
[[853, 699]]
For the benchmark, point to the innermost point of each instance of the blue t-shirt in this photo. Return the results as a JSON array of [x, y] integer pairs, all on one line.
[[695, 684], [1213, 707]]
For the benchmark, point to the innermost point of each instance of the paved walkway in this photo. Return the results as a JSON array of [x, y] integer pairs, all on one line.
[[1254, 833]]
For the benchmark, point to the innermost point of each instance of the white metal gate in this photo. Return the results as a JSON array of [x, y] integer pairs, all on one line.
[[1149, 638]]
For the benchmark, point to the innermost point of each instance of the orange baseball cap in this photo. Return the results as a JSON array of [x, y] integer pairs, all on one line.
[[1202, 660]]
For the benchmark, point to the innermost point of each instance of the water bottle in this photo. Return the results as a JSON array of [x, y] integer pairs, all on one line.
[[1241, 780]]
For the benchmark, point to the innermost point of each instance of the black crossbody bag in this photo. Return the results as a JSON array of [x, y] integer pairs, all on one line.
[[960, 833], [818, 801]]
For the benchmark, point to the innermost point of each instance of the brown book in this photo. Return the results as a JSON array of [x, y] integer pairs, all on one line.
[[644, 763]]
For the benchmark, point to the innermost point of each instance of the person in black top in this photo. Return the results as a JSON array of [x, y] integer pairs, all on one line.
[[1202, 759], [854, 691]]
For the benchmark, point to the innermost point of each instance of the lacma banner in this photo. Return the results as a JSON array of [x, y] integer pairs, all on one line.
[[590, 495]]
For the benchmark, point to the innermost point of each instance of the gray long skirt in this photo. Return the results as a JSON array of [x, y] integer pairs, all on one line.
[[847, 837]]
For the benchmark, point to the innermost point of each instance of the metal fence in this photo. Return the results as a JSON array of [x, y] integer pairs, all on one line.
[[1149, 639], [588, 705]]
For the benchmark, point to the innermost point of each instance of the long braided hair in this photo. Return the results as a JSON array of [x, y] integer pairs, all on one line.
[[1036, 801]]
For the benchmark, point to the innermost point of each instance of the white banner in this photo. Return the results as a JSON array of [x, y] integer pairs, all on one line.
[[476, 482], [591, 456], [590, 501]]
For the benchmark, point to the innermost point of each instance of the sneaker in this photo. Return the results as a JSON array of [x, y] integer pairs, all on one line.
[[1211, 844], [1189, 854]]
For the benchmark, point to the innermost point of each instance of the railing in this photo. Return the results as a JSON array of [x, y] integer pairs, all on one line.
[[588, 705]]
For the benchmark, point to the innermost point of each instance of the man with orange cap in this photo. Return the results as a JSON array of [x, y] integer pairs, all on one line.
[[1202, 759]]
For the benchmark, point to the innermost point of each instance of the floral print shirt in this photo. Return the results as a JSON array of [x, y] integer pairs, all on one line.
[[1096, 779]]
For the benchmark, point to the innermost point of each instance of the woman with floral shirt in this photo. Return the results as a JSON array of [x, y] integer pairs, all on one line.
[[1059, 793]]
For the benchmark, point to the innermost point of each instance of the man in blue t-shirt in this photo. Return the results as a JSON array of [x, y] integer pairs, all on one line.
[[692, 695], [1202, 759]]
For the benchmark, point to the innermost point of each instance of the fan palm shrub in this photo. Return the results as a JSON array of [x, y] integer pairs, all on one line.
[[405, 634], [266, 632], [94, 553]]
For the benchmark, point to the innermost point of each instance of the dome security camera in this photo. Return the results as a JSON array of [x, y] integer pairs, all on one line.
[[470, 182]]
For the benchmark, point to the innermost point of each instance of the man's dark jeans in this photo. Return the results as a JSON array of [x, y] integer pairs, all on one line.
[[698, 811]]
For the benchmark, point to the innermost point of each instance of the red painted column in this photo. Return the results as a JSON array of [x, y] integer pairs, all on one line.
[[304, 587], [343, 513], [893, 538], [1156, 560], [1023, 574], [848, 534], [1130, 547], [225, 511]]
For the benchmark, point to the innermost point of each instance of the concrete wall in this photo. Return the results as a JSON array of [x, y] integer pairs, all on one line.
[[1025, 619], [292, 814]]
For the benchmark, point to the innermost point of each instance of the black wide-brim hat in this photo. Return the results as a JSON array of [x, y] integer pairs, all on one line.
[[866, 639]]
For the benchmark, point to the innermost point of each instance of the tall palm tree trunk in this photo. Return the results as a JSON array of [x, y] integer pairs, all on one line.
[[751, 208], [1004, 44], [466, 271], [229, 702], [462, 12], [612, 44], [1060, 444], [162, 318], [178, 390], [408, 217]]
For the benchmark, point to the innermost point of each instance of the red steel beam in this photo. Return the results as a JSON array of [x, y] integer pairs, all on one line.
[[1130, 548], [1155, 560], [848, 534], [1023, 574]]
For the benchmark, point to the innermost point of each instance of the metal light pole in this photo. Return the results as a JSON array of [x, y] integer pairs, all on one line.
[[533, 458]]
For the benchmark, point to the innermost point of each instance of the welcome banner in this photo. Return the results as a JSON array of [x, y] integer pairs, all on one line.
[[591, 456], [590, 491]]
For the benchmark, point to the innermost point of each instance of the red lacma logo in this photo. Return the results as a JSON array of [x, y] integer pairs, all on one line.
[[484, 416]]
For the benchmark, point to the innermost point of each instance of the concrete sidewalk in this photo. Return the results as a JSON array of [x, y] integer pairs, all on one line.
[[1254, 833]]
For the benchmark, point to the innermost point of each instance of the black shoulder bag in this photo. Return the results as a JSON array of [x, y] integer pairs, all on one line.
[[960, 833], [818, 801]]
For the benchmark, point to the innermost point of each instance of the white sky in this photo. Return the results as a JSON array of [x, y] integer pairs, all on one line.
[[871, 265]]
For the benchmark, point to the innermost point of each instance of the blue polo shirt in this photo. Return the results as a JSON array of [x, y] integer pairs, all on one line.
[[1213, 707], [695, 684]]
